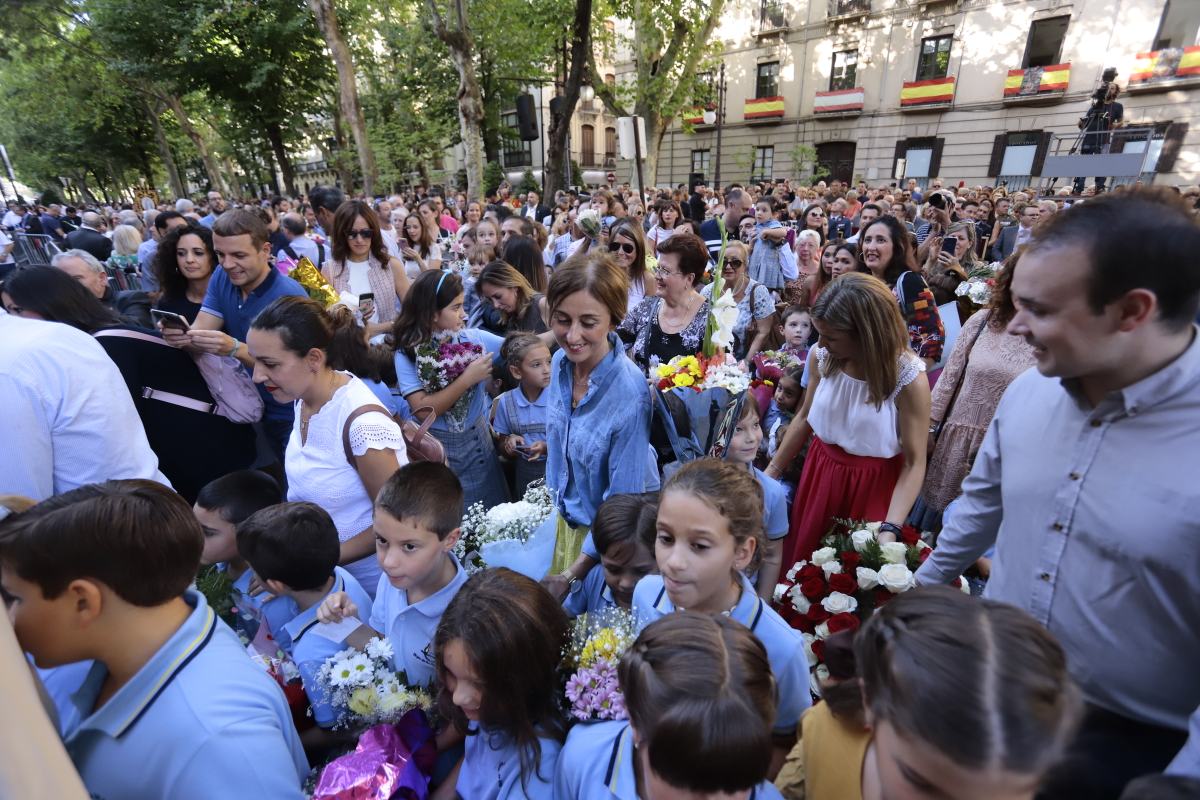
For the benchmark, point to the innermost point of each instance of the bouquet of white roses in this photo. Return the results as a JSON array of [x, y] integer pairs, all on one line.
[[364, 690], [483, 530], [979, 283]]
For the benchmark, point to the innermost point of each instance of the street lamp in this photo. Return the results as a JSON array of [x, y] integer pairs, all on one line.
[[715, 115]]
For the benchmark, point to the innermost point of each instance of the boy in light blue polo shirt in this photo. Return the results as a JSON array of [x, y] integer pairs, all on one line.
[[294, 549], [417, 518], [172, 707]]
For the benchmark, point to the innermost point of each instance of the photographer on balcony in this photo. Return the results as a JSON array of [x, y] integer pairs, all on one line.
[[1104, 115]]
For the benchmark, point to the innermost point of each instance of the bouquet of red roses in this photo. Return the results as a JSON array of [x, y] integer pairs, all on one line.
[[846, 579]]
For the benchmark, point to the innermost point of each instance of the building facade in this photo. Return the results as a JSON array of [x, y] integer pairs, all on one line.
[[979, 91]]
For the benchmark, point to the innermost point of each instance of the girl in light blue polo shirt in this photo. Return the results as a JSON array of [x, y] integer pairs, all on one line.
[[700, 697], [709, 535], [498, 650], [521, 412], [433, 311]]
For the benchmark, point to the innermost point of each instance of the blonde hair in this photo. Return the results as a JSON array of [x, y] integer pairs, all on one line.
[[864, 307], [126, 240], [505, 276]]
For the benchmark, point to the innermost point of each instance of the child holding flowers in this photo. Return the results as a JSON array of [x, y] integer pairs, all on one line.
[[709, 534]]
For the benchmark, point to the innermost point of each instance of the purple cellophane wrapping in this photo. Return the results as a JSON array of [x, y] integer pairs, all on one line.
[[390, 761]]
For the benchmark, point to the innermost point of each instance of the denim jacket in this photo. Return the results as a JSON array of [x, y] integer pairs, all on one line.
[[599, 448]]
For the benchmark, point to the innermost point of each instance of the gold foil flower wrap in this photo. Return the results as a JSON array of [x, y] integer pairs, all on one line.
[[318, 287]]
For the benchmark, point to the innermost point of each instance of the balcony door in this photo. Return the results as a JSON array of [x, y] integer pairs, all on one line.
[[835, 160]]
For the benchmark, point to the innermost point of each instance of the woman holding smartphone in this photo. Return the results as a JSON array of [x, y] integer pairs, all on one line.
[[183, 264]]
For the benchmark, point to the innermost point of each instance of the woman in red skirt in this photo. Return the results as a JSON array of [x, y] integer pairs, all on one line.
[[868, 406]]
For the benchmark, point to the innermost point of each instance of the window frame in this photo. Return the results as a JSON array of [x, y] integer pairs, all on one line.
[[763, 168], [839, 84], [758, 79], [514, 152], [705, 160], [587, 135], [1056, 58], [922, 61]]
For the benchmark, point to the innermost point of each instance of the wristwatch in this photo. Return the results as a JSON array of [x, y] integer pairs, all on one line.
[[570, 578], [233, 350]]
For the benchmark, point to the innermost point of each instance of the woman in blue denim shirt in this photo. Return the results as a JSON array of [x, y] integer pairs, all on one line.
[[598, 415]]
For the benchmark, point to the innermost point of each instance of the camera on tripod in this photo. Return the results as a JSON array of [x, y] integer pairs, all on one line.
[[1106, 78]]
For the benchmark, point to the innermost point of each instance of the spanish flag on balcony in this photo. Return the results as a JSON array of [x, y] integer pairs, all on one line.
[[763, 108], [1158, 65], [1054, 79], [921, 93]]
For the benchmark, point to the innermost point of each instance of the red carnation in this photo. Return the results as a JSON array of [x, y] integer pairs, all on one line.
[[818, 648], [817, 614], [843, 622], [850, 561], [841, 582], [910, 535], [924, 554], [809, 571], [813, 588]]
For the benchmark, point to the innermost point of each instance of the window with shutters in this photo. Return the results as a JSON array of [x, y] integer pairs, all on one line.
[[587, 146], [1017, 157], [767, 84], [922, 158], [764, 164], [845, 67], [934, 60], [700, 161], [1044, 47], [610, 147]]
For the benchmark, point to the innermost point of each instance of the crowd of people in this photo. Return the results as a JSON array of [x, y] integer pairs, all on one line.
[[183, 397]]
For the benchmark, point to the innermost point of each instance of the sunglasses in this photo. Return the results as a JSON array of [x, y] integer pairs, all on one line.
[[736, 263], [365, 233], [624, 247]]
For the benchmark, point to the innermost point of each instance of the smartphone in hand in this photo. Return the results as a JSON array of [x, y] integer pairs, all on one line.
[[169, 319]]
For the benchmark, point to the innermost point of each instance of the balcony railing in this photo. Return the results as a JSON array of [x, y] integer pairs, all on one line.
[[1164, 69], [934, 93], [1025, 84], [848, 8], [763, 108], [772, 15]]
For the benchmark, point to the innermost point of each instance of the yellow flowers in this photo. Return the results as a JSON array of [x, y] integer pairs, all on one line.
[[364, 700], [680, 372], [604, 644]]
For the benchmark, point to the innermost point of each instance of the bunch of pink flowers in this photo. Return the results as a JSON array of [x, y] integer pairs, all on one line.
[[594, 693]]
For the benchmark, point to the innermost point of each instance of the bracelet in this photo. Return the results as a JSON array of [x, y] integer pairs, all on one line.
[[891, 527], [570, 576], [233, 350]]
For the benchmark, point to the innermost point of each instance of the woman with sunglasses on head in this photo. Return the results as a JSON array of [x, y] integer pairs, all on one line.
[[361, 265], [755, 306], [628, 249]]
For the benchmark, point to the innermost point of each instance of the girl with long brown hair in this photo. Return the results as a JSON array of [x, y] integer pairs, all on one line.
[[361, 265]]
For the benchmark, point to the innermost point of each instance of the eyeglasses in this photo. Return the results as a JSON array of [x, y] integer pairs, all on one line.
[[817, 214], [624, 247], [736, 263], [365, 233], [666, 273]]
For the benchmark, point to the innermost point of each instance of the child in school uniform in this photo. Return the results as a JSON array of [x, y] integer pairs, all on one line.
[[623, 533], [293, 548], [220, 507], [417, 518], [499, 648], [709, 535], [736, 441], [172, 706], [700, 697], [521, 412]]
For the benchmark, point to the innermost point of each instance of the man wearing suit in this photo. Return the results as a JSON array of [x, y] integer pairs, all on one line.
[[1014, 236], [840, 226], [88, 237], [533, 208]]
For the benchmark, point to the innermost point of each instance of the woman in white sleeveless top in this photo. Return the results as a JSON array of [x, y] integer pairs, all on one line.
[[868, 406], [344, 445]]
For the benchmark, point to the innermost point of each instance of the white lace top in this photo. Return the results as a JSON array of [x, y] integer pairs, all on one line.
[[843, 414], [317, 470]]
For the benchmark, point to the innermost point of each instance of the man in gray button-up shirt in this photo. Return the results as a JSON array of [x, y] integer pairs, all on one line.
[[1088, 481]]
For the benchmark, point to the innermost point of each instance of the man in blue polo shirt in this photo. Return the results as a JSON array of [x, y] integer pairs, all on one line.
[[244, 286]]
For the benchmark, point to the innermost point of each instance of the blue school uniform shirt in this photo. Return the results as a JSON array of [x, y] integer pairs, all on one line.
[[491, 768], [253, 611], [408, 380], [590, 594], [785, 648], [775, 520], [410, 628], [199, 720], [310, 650], [517, 415], [224, 300], [597, 763], [601, 447]]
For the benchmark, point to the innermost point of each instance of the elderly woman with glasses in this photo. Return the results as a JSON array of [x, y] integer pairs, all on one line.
[[755, 306], [361, 265], [670, 322]]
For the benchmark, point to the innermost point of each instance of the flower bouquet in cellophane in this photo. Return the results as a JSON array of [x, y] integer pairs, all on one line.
[[597, 642]]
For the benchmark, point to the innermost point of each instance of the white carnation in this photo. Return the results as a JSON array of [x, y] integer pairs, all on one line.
[[795, 570], [799, 601]]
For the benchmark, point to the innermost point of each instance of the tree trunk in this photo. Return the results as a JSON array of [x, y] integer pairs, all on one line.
[[210, 161], [560, 124], [337, 159], [326, 17], [164, 151], [275, 137], [470, 99]]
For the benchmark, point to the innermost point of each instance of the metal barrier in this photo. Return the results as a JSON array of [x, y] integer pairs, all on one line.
[[1078, 155], [34, 249]]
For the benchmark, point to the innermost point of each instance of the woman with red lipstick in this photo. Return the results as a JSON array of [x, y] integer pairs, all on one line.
[[344, 444]]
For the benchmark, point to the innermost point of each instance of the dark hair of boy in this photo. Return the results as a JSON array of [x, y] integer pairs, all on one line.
[[239, 494], [137, 537], [293, 543], [625, 519], [424, 493]]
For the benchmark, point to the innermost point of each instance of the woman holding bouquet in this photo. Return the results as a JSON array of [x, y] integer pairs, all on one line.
[[361, 265], [439, 364], [868, 406], [755, 306]]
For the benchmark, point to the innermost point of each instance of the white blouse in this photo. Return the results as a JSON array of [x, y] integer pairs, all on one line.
[[317, 470], [842, 413]]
